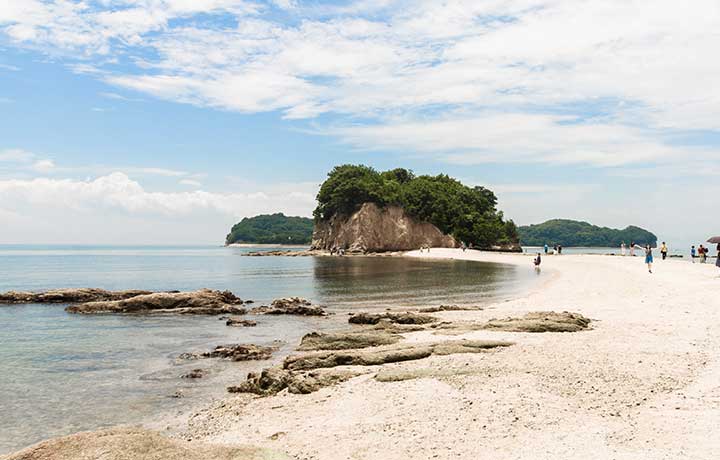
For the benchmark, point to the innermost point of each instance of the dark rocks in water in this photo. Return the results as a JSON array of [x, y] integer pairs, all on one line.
[[134, 444], [394, 318], [346, 340], [234, 352], [273, 380], [542, 321], [202, 302], [72, 295], [448, 308], [195, 374], [291, 306], [237, 322]]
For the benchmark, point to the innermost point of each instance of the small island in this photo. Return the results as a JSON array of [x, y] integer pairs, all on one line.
[[571, 233], [271, 229], [364, 210]]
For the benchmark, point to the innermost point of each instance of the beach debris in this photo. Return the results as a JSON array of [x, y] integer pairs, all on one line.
[[449, 308], [346, 340], [194, 374], [238, 322], [393, 318], [71, 295], [276, 379], [133, 444], [234, 352], [291, 306], [541, 321], [385, 355], [201, 302]]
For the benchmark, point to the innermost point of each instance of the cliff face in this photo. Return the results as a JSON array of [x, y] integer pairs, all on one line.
[[377, 230]]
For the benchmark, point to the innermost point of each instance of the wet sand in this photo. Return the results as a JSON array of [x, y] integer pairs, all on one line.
[[644, 382]]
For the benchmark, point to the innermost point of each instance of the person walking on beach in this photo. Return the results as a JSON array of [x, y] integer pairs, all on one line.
[[546, 248], [664, 251], [632, 249], [623, 249], [648, 257], [693, 253], [717, 261], [537, 261], [559, 249], [702, 253]]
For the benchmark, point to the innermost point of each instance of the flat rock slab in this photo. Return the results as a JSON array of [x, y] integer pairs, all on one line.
[[346, 340], [541, 321], [393, 318], [135, 444], [202, 302], [237, 322], [79, 295]]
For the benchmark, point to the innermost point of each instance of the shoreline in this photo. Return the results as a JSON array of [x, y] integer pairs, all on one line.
[[642, 383]]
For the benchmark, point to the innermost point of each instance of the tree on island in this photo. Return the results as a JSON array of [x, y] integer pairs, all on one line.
[[272, 229], [469, 214], [574, 233]]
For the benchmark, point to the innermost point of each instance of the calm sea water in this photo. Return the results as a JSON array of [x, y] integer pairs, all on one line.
[[64, 373]]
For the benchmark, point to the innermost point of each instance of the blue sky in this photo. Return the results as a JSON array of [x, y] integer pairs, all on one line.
[[147, 121]]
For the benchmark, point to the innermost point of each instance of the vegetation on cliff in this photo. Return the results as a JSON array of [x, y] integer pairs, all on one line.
[[573, 233], [467, 213], [272, 229]]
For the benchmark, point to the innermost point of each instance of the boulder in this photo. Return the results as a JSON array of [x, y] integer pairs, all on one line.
[[274, 380], [135, 444], [234, 352], [393, 318], [202, 302], [72, 295], [291, 306], [194, 374], [375, 229]]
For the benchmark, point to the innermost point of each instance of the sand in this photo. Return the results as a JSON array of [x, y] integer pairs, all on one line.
[[642, 383]]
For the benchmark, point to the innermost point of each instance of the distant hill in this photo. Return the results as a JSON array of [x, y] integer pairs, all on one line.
[[272, 229], [573, 233]]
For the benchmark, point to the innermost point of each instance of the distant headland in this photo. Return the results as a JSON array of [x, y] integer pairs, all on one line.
[[272, 229], [575, 233]]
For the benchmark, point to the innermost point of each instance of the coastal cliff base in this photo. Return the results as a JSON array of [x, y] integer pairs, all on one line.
[[372, 229]]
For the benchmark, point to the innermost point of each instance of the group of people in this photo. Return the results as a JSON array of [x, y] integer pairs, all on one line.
[[702, 253], [557, 249], [336, 250]]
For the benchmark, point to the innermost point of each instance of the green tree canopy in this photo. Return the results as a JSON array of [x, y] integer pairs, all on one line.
[[573, 233], [469, 214], [272, 229]]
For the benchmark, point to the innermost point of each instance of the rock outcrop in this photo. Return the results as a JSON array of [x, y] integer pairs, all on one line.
[[373, 229], [134, 444], [202, 302], [541, 321], [393, 318], [234, 352], [72, 295], [290, 306]]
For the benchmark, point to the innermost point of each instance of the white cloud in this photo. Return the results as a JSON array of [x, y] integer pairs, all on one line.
[[191, 183], [81, 208], [11, 68], [16, 156], [43, 166]]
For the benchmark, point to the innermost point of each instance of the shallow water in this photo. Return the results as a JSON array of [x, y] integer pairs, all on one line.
[[65, 373]]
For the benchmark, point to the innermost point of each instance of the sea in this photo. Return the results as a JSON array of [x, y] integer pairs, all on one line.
[[64, 373]]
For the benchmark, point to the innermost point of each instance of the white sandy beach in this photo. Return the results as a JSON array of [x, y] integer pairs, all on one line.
[[644, 383]]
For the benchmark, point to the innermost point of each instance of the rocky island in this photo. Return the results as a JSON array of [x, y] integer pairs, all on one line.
[[362, 210]]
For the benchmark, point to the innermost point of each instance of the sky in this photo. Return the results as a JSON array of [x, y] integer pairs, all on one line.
[[166, 121]]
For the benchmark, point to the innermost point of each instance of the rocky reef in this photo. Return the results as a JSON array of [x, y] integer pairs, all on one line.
[[290, 306], [202, 302], [234, 352], [374, 229], [72, 295]]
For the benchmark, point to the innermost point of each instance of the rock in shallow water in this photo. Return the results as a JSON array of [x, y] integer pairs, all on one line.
[[202, 302], [73, 295], [291, 306], [135, 444], [237, 322], [234, 352]]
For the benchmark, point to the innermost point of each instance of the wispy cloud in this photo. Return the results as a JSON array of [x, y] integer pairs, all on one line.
[[11, 68]]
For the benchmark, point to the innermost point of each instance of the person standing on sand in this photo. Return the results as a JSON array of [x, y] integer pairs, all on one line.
[[546, 248], [559, 249], [632, 249], [537, 261], [648, 257], [664, 251], [623, 249], [717, 261], [693, 253], [702, 253]]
